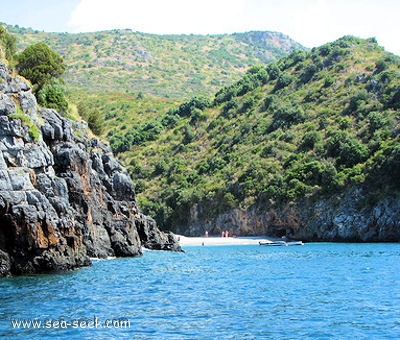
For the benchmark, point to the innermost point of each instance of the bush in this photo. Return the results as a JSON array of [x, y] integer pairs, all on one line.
[[385, 62], [392, 97], [376, 121], [161, 167], [53, 96], [170, 119], [188, 135], [93, 117], [346, 150], [308, 72], [285, 115], [273, 71], [248, 103], [260, 73], [328, 81], [230, 108], [386, 166], [310, 139], [186, 109], [358, 98], [283, 80], [224, 95], [197, 115], [254, 77]]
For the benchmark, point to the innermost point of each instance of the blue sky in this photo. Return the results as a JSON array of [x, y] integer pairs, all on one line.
[[310, 22]]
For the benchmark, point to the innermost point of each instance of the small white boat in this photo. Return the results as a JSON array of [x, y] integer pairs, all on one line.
[[295, 243], [281, 243]]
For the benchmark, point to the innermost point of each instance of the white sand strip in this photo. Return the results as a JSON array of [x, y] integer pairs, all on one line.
[[219, 241]]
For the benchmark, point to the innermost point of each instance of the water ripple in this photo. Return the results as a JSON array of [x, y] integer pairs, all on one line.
[[236, 292]]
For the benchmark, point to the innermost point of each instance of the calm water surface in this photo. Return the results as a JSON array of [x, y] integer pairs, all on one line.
[[318, 291]]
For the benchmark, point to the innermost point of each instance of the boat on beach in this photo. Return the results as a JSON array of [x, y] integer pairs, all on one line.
[[281, 243]]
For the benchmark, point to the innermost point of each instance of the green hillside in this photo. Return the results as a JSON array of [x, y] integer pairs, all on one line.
[[176, 66], [258, 141], [311, 124]]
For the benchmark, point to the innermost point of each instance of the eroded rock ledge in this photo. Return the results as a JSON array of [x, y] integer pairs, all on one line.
[[64, 198]]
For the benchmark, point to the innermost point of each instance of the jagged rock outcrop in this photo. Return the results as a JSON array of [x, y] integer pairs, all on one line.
[[354, 215], [63, 196]]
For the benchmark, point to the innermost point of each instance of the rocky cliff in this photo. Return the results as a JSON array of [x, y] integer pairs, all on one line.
[[354, 215], [64, 198]]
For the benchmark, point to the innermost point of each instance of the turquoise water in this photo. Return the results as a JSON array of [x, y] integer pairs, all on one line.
[[316, 291]]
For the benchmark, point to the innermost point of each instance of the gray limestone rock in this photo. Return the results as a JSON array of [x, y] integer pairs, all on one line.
[[28, 103], [64, 198], [7, 106]]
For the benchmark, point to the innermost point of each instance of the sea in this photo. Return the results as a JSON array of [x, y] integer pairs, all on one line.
[[314, 291]]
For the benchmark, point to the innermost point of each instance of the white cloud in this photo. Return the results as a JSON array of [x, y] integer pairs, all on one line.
[[310, 22]]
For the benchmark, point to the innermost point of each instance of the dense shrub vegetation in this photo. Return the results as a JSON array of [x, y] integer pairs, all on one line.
[[173, 66], [308, 125]]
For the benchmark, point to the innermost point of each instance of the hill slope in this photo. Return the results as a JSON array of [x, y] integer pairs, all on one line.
[[164, 65], [318, 127]]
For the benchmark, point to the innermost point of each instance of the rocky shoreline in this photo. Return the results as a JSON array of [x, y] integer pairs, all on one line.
[[64, 198], [354, 215]]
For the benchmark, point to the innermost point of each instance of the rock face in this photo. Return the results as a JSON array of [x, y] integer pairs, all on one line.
[[351, 216], [63, 197]]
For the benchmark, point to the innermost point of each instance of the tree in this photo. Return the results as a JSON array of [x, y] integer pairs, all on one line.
[[40, 65], [43, 68]]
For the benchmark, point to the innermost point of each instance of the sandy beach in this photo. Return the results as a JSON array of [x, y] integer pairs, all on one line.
[[220, 241]]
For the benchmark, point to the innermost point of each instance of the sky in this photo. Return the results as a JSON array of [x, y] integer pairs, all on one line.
[[310, 22]]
